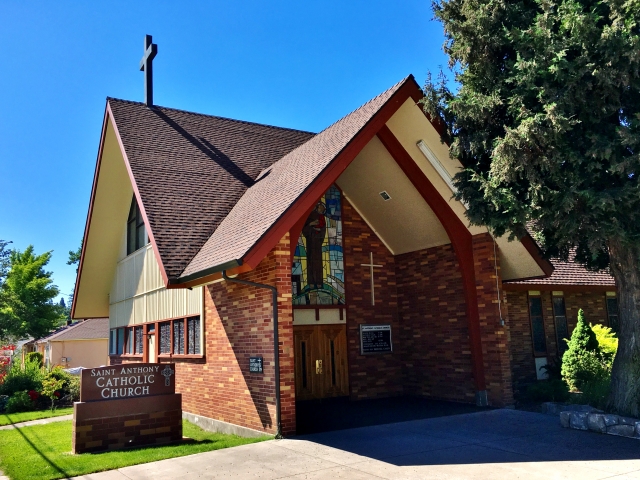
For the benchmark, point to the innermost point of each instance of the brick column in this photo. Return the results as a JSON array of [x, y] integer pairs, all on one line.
[[494, 336]]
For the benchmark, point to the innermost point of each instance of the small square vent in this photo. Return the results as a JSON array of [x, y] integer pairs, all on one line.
[[385, 196]]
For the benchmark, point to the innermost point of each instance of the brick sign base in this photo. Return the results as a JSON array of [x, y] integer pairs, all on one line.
[[129, 422]]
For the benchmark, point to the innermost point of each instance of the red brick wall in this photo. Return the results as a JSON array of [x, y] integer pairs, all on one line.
[[495, 337], [522, 358], [434, 325], [238, 325], [370, 376]]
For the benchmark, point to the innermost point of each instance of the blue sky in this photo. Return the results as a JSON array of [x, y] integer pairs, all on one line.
[[293, 64]]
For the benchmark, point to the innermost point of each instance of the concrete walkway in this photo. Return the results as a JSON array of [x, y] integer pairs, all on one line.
[[41, 421], [497, 444]]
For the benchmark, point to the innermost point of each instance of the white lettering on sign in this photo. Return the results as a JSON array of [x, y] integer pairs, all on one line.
[[124, 381]]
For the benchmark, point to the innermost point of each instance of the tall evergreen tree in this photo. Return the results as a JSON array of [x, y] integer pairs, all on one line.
[[546, 123], [26, 297], [4, 259]]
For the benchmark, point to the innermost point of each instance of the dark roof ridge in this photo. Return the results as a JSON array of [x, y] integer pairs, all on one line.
[[246, 122]]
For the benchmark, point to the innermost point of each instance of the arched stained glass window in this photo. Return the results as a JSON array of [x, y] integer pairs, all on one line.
[[318, 266]]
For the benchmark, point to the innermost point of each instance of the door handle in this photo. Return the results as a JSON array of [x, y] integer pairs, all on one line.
[[318, 367]]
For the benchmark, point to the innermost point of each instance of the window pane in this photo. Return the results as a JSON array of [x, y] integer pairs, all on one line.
[[120, 344], [139, 340], [178, 337], [193, 325], [537, 325], [562, 330], [131, 238], [129, 341], [535, 305], [112, 341], [140, 240], [612, 311], [165, 337]]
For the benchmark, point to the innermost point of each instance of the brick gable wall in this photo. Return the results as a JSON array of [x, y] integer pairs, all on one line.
[[434, 325], [370, 376]]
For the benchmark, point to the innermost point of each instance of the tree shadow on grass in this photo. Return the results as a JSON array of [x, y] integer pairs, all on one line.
[[53, 465]]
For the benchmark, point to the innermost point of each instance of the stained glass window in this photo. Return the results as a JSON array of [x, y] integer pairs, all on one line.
[[178, 338], [165, 337], [193, 341], [317, 274]]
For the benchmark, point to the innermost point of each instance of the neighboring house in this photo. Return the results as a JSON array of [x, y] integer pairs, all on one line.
[[382, 286], [81, 344]]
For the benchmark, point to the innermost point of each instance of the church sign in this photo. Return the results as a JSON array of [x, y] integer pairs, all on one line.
[[127, 405], [127, 381], [375, 339]]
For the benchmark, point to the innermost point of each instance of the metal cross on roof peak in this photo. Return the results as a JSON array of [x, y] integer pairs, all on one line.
[[146, 66]]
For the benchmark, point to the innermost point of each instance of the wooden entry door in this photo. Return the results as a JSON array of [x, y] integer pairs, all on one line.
[[321, 361]]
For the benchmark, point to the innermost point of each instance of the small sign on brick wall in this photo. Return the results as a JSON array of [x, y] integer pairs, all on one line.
[[375, 339], [255, 365]]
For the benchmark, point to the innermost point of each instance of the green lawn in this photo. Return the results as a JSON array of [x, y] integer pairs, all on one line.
[[9, 418], [44, 451]]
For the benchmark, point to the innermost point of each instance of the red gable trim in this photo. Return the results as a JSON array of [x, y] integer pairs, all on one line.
[[108, 116], [136, 192], [461, 240], [534, 251], [319, 186]]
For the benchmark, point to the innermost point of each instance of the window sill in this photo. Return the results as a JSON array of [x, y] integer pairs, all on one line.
[[165, 356], [125, 355]]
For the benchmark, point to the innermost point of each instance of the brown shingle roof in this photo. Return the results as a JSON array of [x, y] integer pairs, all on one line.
[[263, 204], [570, 273], [191, 169], [92, 328]]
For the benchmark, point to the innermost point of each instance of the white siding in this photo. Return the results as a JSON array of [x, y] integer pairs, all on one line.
[[138, 294]]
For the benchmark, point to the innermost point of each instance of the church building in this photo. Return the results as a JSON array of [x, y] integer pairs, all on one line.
[[275, 266]]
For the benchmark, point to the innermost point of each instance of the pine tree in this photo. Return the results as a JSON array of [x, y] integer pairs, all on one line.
[[546, 124]]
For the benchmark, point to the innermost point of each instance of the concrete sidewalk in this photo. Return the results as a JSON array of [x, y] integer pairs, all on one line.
[[40, 421], [497, 444]]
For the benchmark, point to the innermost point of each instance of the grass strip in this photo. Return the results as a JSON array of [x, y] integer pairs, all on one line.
[[9, 418], [44, 451]]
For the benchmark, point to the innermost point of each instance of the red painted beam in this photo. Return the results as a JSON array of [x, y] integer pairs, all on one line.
[[461, 240]]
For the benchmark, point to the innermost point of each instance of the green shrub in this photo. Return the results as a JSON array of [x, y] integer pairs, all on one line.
[[607, 341], [582, 360], [553, 390], [74, 389], [19, 402], [596, 392], [59, 375], [22, 378], [34, 357]]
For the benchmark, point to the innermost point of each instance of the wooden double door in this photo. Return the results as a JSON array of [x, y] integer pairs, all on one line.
[[321, 361]]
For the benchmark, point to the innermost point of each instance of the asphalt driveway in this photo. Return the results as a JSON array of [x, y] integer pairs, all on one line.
[[495, 444]]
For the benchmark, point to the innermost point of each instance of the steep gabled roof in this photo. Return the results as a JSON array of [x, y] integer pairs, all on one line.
[[191, 169], [266, 201]]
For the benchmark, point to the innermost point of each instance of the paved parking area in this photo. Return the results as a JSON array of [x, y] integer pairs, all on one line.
[[496, 444]]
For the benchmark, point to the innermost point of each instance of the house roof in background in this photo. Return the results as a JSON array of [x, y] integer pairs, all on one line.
[[570, 273], [191, 169], [92, 328]]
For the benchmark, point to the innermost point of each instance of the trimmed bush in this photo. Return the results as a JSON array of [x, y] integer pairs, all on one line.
[[19, 402], [34, 357], [582, 361]]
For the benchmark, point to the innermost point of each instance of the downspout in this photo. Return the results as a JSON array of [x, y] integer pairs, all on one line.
[[276, 346]]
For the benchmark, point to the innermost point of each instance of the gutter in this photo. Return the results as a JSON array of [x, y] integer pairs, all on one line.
[[276, 343]]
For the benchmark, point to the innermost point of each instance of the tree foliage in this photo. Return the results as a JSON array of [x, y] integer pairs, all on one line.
[[4, 259], [26, 297], [546, 123]]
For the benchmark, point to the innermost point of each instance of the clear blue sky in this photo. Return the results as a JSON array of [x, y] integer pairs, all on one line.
[[298, 64]]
